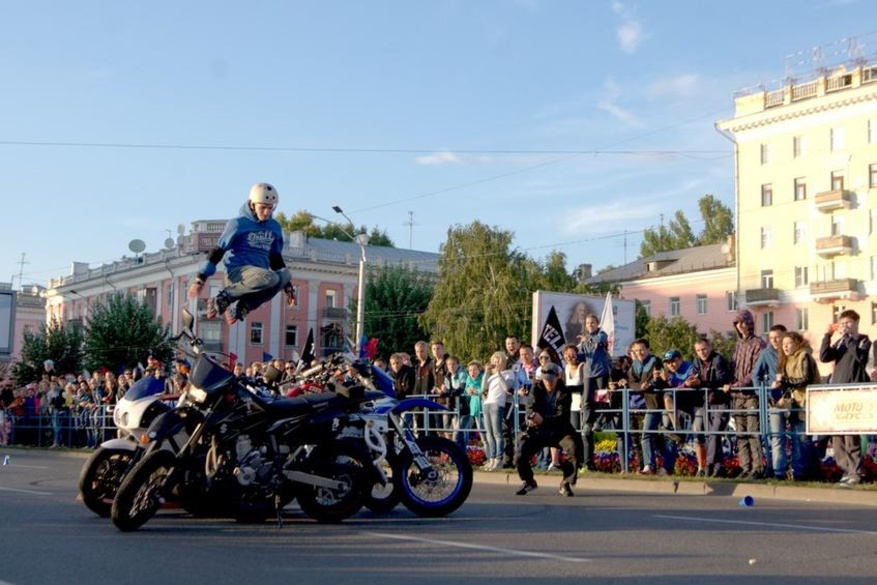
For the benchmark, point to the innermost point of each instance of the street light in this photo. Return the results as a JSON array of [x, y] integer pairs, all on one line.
[[362, 241]]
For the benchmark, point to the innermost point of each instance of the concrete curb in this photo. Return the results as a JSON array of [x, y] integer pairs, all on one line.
[[723, 488]]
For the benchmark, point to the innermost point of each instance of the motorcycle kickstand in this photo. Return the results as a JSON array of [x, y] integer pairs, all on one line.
[[278, 511]]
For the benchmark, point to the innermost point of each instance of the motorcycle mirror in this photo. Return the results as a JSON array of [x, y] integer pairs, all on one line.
[[188, 319]]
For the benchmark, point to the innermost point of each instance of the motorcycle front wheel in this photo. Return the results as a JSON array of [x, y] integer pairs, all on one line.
[[341, 463], [101, 476], [441, 489], [140, 494]]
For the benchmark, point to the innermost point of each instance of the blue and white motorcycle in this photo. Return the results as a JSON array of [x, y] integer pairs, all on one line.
[[430, 475]]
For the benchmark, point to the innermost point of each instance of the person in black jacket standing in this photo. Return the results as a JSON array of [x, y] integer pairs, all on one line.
[[849, 352], [548, 425]]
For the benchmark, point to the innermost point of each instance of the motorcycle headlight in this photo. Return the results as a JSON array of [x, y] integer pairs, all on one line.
[[123, 420], [196, 395]]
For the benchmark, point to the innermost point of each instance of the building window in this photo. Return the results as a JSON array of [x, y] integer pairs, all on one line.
[[210, 332], [647, 307], [873, 313], [872, 222], [256, 333], [838, 139], [801, 276], [873, 267], [730, 301], [872, 131], [701, 304], [800, 189], [800, 234], [766, 153], [766, 195], [799, 146], [291, 336], [837, 225], [802, 319], [766, 237], [766, 322], [674, 306], [767, 279], [872, 175], [837, 180], [330, 299]]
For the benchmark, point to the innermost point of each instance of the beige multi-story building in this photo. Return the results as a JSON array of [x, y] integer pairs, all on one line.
[[806, 201]]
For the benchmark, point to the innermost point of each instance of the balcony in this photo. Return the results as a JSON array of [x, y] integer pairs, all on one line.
[[834, 246], [762, 297], [833, 290], [335, 313], [829, 201]]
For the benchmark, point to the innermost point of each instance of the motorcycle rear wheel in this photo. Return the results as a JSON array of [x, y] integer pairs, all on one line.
[[342, 463], [444, 492], [138, 497], [101, 476]]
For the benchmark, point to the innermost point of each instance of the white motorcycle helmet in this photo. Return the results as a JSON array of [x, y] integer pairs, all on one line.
[[264, 193]]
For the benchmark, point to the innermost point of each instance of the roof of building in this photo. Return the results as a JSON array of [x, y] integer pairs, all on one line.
[[696, 259]]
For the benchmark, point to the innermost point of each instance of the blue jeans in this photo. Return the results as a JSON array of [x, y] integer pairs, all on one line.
[[804, 460], [493, 415], [58, 417], [777, 441], [255, 286]]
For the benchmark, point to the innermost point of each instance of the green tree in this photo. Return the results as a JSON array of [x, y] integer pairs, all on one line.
[[56, 341], [641, 320], [723, 343], [718, 221], [122, 332], [556, 277], [395, 297], [303, 221], [675, 237], [675, 333], [482, 293]]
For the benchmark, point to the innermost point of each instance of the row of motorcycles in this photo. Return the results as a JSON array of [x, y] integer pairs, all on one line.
[[230, 449]]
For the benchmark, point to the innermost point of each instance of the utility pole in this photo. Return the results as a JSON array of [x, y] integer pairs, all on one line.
[[21, 264], [410, 224]]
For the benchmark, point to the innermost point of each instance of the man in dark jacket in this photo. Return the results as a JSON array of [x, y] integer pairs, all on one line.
[[403, 376], [711, 373], [548, 421], [848, 349], [745, 399]]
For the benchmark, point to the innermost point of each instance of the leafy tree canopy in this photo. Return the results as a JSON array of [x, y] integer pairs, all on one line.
[[56, 341], [718, 222], [122, 332], [304, 222], [395, 297]]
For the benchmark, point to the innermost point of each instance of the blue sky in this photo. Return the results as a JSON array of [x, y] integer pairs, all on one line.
[[565, 122]]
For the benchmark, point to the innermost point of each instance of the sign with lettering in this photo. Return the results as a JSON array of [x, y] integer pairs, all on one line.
[[842, 409]]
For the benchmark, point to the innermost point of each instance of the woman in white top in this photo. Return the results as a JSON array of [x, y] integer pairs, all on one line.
[[497, 386]]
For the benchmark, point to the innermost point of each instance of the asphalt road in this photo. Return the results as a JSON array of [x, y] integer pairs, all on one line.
[[603, 536]]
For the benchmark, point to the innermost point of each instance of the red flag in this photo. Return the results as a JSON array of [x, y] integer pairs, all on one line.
[[232, 360], [371, 348]]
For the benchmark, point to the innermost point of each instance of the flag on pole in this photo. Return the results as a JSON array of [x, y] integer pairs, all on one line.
[[267, 357], [232, 360], [607, 322], [307, 352], [551, 338]]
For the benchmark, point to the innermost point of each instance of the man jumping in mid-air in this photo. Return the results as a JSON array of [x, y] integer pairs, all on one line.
[[254, 266]]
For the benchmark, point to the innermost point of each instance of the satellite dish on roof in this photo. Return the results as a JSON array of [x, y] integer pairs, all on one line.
[[170, 243], [181, 229], [136, 246]]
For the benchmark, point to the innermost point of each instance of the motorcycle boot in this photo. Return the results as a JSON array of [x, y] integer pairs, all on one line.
[[217, 306]]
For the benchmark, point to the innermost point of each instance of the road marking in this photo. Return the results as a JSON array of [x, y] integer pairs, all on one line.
[[506, 551], [767, 524], [33, 492], [27, 466]]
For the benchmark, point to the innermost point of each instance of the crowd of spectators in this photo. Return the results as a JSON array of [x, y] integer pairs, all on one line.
[[531, 408]]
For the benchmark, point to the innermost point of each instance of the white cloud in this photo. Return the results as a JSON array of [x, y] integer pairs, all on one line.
[[618, 215], [439, 158], [679, 86], [630, 35], [630, 32], [608, 104]]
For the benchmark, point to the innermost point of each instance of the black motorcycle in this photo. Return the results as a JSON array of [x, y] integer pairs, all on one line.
[[230, 447]]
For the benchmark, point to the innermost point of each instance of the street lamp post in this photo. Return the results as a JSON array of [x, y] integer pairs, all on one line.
[[362, 241]]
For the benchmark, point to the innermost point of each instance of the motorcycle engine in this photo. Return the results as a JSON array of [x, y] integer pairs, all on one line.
[[251, 462]]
